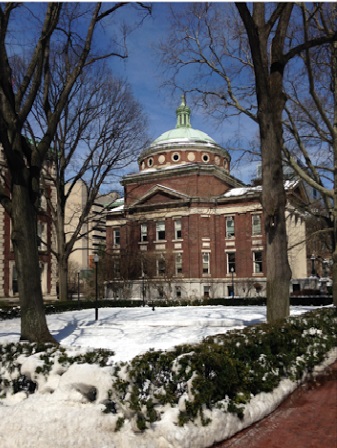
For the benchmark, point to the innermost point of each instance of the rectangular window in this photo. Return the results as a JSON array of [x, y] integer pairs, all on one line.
[[177, 229], [179, 264], [117, 237], [205, 263], [230, 262], [143, 232], [257, 262], [116, 267], [207, 290], [256, 224], [161, 266], [230, 229], [160, 229], [178, 292]]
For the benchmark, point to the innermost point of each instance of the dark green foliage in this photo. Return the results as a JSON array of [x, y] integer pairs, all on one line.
[[119, 423], [9, 354], [24, 384], [231, 366], [110, 407], [9, 311], [223, 371]]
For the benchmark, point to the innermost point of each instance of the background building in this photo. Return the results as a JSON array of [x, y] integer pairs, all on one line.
[[8, 273]]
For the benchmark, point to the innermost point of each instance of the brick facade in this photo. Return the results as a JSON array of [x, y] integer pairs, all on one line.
[[8, 279], [219, 222]]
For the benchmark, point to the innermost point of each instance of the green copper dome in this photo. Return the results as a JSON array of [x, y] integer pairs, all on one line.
[[182, 134], [183, 131], [183, 146]]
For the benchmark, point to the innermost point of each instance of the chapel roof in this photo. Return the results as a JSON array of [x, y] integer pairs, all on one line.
[[183, 136]]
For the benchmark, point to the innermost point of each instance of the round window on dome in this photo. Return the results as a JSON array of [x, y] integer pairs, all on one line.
[[150, 161], [176, 157], [205, 158]]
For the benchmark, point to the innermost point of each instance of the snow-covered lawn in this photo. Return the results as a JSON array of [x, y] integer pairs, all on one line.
[[64, 419]]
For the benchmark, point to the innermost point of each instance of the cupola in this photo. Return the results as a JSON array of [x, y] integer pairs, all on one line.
[[183, 145]]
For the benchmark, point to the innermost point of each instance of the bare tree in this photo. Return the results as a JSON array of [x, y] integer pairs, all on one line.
[[239, 62], [98, 135], [311, 126], [71, 26]]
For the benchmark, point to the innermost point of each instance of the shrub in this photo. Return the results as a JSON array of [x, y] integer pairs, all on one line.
[[227, 369], [223, 371]]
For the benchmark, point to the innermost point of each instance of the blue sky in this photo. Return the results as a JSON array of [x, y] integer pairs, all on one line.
[[143, 72]]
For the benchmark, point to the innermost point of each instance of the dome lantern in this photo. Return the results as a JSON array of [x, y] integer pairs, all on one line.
[[183, 114]]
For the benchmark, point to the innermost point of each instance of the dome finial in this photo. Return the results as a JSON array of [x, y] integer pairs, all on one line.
[[183, 114]]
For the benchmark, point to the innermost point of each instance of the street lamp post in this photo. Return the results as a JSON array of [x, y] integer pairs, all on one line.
[[143, 287], [96, 259], [78, 286], [232, 271]]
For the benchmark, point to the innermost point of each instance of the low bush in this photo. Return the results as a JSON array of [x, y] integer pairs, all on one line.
[[228, 369], [223, 371], [8, 311]]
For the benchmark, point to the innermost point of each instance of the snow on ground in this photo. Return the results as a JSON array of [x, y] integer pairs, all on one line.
[[62, 419]]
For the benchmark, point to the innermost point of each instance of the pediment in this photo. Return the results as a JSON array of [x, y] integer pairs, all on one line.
[[159, 194]]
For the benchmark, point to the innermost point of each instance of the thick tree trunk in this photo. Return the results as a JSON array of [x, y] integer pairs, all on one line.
[[63, 278], [269, 67], [334, 239], [24, 237], [62, 257], [274, 202]]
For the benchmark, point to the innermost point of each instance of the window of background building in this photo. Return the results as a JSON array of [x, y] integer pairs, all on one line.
[[178, 292], [177, 229], [231, 262], [117, 237], [256, 224], [179, 264], [257, 262], [161, 266], [116, 267], [205, 263], [143, 232], [230, 229], [160, 230], [207, 290]]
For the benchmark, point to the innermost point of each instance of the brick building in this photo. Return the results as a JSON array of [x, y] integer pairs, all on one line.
[[188, 228], [8, 274]]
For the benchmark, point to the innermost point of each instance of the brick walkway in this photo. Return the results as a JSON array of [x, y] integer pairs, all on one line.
[[306, 419]]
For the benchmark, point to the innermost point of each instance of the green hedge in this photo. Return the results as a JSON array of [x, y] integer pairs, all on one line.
[[8, 311], [223, 371]]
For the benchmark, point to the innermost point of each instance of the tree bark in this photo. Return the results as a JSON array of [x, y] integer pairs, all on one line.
[[63, 278], [33, 321], [271, 101], [334, 255], [274, 202]]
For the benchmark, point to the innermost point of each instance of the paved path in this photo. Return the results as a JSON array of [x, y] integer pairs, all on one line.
[[306, 419]]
